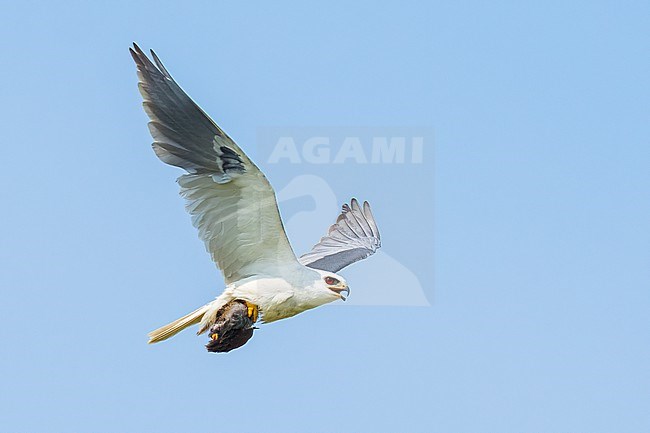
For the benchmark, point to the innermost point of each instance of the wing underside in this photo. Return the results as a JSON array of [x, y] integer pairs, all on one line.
[[353, 237], [230, 200]]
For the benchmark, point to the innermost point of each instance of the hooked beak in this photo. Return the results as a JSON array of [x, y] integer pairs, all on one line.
[[339, 291]]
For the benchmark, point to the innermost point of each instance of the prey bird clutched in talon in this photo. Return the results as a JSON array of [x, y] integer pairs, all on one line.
[[233, 206], [233, 326]]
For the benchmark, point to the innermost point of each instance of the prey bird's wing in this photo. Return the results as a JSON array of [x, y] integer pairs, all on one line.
[[354, 237], [231, 202]]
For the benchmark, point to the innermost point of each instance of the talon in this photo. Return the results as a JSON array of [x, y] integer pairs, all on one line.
[[253, 311], [214, 336]]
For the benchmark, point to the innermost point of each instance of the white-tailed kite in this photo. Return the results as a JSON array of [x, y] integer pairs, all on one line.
[[233, 206]]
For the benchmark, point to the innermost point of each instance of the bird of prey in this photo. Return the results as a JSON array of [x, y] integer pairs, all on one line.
[[234, 208]]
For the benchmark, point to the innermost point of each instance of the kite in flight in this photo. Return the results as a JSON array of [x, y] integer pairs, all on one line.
[[233, 206]]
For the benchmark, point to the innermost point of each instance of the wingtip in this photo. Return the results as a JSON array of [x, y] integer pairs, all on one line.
[[354, 204], [137, 47], [137, 54], [133, 54]]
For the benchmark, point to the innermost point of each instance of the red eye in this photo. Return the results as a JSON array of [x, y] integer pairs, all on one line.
[[331, 281]]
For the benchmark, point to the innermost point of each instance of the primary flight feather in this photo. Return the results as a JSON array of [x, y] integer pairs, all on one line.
[[233, 206]]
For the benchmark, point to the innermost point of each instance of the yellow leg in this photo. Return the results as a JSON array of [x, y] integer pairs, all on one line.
[[253, 311], [214, 336]]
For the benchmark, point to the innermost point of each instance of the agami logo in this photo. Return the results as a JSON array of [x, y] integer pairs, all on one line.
[[352, 149]]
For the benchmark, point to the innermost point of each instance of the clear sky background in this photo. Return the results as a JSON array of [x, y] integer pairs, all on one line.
[[533, 248]]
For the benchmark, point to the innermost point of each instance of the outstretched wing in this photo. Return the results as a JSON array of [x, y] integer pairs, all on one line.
[[231, 202], [354, 237]]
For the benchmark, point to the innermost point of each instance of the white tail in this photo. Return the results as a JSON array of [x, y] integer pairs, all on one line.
[[164, 332]]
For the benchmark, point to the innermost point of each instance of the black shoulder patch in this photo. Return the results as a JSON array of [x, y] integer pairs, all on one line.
[[230, 160]]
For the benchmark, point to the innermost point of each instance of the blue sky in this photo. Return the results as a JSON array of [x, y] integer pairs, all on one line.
[[526, 226]]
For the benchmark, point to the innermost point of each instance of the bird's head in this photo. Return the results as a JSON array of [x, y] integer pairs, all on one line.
[[334, 284]]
